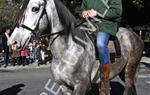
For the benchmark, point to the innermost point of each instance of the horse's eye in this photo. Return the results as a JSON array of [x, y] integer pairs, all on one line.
[[35, 9]]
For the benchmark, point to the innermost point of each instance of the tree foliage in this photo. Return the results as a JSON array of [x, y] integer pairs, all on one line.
[[131, 7], [2, 3], [138, 3], [7, 13]]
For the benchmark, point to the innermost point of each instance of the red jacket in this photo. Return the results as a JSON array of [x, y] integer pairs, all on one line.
[[23, 53]]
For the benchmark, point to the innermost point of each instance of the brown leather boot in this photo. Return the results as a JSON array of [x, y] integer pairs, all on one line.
[[105, 84], [106, 71]]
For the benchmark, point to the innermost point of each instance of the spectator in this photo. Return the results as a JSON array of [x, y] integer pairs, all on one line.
[[5, 46], [24, 54], [15, 54], [40, 54], [31, 53]]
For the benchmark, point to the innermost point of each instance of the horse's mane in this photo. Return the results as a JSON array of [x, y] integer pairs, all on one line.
[[20, 13], [66, 17], [69, 21]]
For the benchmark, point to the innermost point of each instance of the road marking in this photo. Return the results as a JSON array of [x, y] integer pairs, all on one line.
[[51, 87]]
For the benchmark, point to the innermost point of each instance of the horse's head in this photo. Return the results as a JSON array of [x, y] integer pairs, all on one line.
[[40, 16], [36, 16], [31, 14]]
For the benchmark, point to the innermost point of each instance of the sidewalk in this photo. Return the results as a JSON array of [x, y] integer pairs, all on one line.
[[146, 61], [30, 66]]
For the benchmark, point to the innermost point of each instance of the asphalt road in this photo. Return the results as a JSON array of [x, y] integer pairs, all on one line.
[[38, 81], [23, 82]]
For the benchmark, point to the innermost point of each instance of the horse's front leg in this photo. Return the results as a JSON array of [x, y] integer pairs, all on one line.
[[65, 90], [81, 87]]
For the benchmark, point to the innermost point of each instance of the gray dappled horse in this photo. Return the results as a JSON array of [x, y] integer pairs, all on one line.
[[74, 64]]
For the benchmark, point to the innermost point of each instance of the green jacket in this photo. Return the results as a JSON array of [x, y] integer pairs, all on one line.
[[108, 11]]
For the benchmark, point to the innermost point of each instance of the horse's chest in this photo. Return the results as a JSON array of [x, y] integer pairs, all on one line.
[[63, 72], [69, 62], [72, 54], [67, 67]]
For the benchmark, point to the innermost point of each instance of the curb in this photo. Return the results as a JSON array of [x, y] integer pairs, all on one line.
[[30, 66], [145, 61]]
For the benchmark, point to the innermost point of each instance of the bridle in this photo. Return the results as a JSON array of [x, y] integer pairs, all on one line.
[[33, 30], [56, 34]]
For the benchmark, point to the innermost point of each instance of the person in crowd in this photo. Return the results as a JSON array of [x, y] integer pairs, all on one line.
[[31, 53], [41, 54], [5, 45], [36, 51], [103, 13], [24, 54], [15, 54]]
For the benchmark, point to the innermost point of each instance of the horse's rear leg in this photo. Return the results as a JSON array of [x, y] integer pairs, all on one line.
[[122, 77], [130, 72]]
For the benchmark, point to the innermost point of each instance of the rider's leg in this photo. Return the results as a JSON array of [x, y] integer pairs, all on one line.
[[102, 46]]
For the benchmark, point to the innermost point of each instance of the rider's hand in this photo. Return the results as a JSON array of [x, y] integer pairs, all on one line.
[[92, 13], [85, 14], [89, 13]]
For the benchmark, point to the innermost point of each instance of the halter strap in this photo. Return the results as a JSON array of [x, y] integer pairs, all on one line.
[[60, 32]]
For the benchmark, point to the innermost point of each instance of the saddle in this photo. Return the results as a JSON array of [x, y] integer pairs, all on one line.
[[88, 26], [90, 31], [114, 47]]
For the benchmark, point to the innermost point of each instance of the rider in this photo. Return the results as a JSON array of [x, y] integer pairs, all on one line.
[[103, 14]]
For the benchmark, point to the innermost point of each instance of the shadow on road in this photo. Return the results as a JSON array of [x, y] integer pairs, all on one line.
[[116, 89], [12, 90]]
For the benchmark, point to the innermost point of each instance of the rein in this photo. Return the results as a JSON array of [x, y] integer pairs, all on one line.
[[61, 32], [86, 27]]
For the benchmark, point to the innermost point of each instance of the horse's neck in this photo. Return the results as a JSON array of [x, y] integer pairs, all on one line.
[[66, 17], [53, 17], [60, 18], [58, 46]]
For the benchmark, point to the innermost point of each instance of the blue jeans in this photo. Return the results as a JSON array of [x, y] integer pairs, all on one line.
[[102, 39]]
